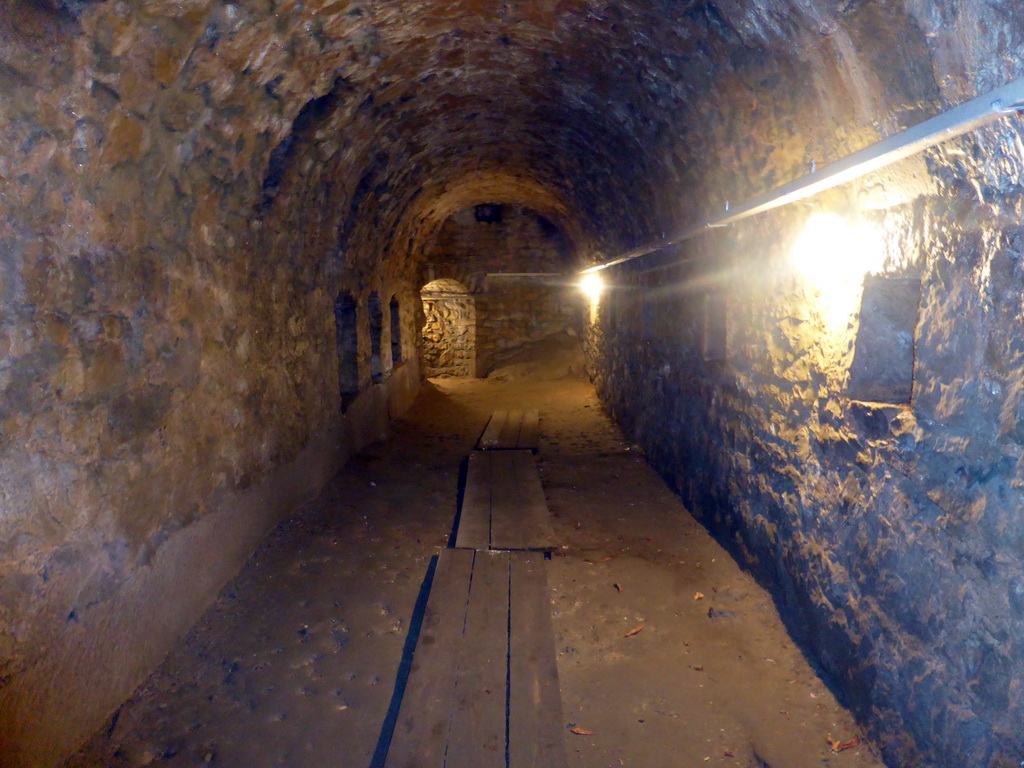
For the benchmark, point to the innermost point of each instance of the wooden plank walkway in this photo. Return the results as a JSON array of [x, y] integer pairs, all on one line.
[[535, 730], [421, 732], [503, 506], [483, 688], [511, 430]]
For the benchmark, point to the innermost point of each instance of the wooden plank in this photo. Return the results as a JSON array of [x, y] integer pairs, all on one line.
[[510, 432], [535, 517], [421, 731], [475, 517], [536, 733], [520, 518], [478, 731], [529, 434], [492, 433], [506, 503]]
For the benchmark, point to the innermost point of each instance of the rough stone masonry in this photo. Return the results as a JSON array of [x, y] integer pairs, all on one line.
[[202, 203]]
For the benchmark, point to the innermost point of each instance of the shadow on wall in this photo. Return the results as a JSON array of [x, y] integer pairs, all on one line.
[[556, 357]]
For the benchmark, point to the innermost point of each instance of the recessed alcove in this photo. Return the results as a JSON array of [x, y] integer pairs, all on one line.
[[376, 318], [883, 360], [449, 329], [346, 325], [396, 331]]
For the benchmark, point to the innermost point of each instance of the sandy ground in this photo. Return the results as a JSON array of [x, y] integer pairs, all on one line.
[[296, 662]]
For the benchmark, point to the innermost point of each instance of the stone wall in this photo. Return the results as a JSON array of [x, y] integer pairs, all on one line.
[[168, 367], [508, 312], [449, 330], [890, 531], [514, 313]]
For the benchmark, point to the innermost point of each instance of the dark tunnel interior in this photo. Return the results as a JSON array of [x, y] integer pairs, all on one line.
[[242, 243]]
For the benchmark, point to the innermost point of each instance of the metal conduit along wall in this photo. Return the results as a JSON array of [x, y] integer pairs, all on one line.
[[1001, 102]]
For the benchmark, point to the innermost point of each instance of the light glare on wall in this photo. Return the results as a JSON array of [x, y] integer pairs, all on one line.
[[835, 255], [592, 286]]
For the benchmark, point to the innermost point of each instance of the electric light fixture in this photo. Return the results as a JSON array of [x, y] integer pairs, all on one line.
[[592, 286], [834, 254]]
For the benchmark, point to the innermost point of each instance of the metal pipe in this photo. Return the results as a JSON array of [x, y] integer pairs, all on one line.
[[525, 274], [969, 116]]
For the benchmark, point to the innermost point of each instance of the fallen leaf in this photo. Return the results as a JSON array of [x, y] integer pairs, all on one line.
[[617, 587], [839, 746], [634, 630], [699, 596], [580, 731]]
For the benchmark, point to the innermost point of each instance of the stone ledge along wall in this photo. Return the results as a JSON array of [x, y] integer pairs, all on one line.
[[891, 532], [509, 312]]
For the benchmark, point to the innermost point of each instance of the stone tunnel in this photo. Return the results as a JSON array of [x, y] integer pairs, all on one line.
[[236, 237]]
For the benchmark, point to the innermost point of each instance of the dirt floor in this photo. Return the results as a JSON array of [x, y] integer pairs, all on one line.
[[295, 664]]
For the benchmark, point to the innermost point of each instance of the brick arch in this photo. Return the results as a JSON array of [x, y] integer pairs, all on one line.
[[464, 276]]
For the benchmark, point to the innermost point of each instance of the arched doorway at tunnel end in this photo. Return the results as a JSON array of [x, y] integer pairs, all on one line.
[[449, 329]]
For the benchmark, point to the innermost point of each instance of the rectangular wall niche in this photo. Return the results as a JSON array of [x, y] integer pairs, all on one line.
[[489, 213], [715, 340], [347, 328], [883, 357], [396, 331], [376, 330]]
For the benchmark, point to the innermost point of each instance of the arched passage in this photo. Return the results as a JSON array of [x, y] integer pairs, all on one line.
[[449, 329], [514, 260], [188, 187]]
